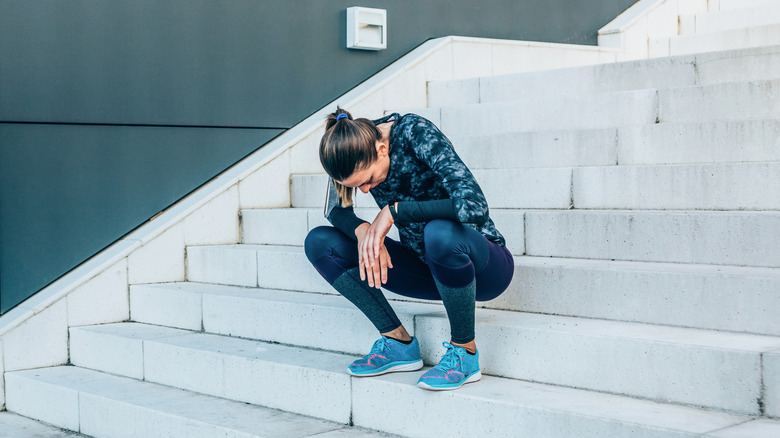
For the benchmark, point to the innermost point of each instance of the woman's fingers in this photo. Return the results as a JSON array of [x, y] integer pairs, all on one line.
[[360, 264], [377, 271], [372, 242], [383, 259], [373, 258], [364, 272], [376, 244], [366, 265], [369, 275]]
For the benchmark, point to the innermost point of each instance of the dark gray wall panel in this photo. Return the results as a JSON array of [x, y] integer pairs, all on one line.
[[242, 63], [68, 191]]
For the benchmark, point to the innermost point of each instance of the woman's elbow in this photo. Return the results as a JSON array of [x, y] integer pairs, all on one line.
[[474, 213]]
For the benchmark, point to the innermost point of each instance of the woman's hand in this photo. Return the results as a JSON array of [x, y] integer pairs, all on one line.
[[373, 258]]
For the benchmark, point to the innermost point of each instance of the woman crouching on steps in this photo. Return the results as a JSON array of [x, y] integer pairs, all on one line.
[[450, 250]]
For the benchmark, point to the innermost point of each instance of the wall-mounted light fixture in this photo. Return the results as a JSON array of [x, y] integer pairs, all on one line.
[[366, 28]]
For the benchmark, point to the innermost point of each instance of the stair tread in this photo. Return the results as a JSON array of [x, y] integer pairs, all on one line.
[[249, 419], [552, 398], [536, 395], [527, 321], [329, 361], [197, 410], [732, 19], [769, 26], [587, 100], [201, 411], [682, 166], [731, 53], [600, 264]]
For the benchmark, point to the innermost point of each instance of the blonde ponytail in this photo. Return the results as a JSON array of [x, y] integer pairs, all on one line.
[[345, 194]]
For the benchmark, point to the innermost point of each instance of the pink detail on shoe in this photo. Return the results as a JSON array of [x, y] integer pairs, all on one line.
[[450, 376], [372, 357]]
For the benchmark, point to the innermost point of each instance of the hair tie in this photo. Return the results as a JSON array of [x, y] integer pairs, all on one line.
[[342, 116]]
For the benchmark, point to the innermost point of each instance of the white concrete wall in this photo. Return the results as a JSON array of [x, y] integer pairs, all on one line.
[[633, 31]]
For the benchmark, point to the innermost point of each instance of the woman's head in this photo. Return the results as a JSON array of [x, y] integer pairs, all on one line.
[[347, 151]]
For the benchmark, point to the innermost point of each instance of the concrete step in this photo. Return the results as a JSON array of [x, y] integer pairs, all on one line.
[[266, 266], [701, 237], [718, 238], [566, 412], [529, 408], [655, 73], [752, 64], [719, 186], [557, 148], [313, 320], [104, 405], [723, 5], [600, 78], [667, 143], [666, 364], [542, 188], [727, 298], [711, 22], [298, 380], [505, 338], [215, 365], [757, 36], [706, 142], [311, 190], [260, 226], [592, 111], [16, 426], [724, 101]]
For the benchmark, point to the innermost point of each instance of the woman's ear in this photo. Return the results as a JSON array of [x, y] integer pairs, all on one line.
[[381, 149]]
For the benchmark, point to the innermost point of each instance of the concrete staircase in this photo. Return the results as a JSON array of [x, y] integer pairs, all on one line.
[[738, 24], [642, 203]]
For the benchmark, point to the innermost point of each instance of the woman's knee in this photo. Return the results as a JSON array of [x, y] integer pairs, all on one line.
[[443, 238], [319, 242], [440, 233]]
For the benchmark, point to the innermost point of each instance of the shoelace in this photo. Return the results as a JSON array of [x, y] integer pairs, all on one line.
[[379, 346], [452, 358]]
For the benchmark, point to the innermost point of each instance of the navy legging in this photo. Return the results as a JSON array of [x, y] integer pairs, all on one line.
[[456, 256]]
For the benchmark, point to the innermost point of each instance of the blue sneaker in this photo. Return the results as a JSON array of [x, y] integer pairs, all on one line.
[[388, 356], [456, 368]]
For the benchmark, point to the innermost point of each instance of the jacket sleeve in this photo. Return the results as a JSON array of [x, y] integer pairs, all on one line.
[[424, 211], [435, 150], [343, 219]]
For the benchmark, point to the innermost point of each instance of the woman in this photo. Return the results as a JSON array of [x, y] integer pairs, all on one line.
[[450, 250]]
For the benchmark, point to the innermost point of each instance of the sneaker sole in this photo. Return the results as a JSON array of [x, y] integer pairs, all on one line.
[[406, 366], [472, 378]]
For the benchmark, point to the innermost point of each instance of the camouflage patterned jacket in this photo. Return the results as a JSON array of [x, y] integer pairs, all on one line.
[[423, 167]]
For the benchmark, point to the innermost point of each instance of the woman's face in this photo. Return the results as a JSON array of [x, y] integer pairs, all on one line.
[[369, 177]]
